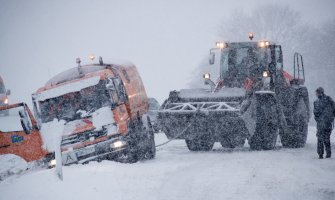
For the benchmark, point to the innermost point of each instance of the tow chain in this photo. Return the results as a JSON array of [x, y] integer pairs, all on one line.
[[164, 143]]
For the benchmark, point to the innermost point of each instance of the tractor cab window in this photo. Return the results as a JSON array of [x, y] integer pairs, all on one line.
[[238, 63], [10, 119]]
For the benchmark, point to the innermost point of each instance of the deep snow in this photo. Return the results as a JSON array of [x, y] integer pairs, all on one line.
[[177, 173]]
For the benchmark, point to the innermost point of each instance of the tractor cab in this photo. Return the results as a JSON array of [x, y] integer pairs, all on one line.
[[242, 64]]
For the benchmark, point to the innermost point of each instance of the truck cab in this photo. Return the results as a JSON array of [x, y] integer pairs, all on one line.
[[104, 107], [19, 133]]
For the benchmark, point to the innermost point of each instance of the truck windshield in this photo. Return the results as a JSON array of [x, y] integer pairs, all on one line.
[[239, 63], [66, 107]]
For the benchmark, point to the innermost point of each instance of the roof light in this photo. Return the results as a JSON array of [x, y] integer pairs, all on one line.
[[221, 45], [91, 57], [251, 35]]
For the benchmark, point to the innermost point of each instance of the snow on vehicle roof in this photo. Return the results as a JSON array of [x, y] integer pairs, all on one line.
[[206, 93], [73, 73], [67, 88]]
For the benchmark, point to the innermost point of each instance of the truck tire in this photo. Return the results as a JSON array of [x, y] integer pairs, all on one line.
[[203, 143], [130, 155], [266, 131], [295, 135]]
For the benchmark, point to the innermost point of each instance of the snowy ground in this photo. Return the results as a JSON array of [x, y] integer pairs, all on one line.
[[177, 173]]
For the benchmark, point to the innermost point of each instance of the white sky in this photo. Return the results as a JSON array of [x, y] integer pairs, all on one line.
[[166, 40]]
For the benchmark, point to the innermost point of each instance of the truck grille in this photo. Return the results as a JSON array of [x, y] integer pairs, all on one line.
[[82, 137]]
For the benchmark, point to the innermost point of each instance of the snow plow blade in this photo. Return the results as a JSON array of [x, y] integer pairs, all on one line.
[[217, 124], [194, 113]]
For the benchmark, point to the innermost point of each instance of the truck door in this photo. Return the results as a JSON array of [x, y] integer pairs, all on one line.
[[19, 134], [119, 98]]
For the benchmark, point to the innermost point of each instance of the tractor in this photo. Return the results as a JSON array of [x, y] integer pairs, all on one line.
[[253, 99]]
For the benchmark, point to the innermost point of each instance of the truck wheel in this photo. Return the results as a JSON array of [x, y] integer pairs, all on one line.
[[200, 144], [130, 155], [266, 132]]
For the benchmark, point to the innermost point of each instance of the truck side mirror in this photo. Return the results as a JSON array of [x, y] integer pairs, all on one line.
[[211, 58], [8, 92], [24, 122], [25, 126]]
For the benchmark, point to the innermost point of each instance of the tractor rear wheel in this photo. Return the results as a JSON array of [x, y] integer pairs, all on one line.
[[295, 134]]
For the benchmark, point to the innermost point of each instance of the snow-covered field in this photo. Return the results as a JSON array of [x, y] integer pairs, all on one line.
[[177, 173]]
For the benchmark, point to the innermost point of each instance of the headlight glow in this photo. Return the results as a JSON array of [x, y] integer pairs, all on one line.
[[265, 74], [118, 144], [221, 45], [91, 57], [263, 44], [207, 76], [52, 163], [6, 101], [251, 36]]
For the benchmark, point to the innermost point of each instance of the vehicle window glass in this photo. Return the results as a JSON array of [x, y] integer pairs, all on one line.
[[68, 106], [10, 119], [120, 89], [112, 90]]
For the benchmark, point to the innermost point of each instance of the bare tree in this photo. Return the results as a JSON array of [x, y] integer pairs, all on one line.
[[277, 23]]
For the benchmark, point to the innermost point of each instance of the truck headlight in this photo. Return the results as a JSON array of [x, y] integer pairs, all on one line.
[[52, 163], [118, 144], [207, 76]]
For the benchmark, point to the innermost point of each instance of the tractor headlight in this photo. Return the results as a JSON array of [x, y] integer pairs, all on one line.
[[263, 44], [207, 76], [265, 74], [221, 45]]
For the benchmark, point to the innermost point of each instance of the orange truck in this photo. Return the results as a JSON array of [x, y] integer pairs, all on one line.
[[104, 107], [19, 133]]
